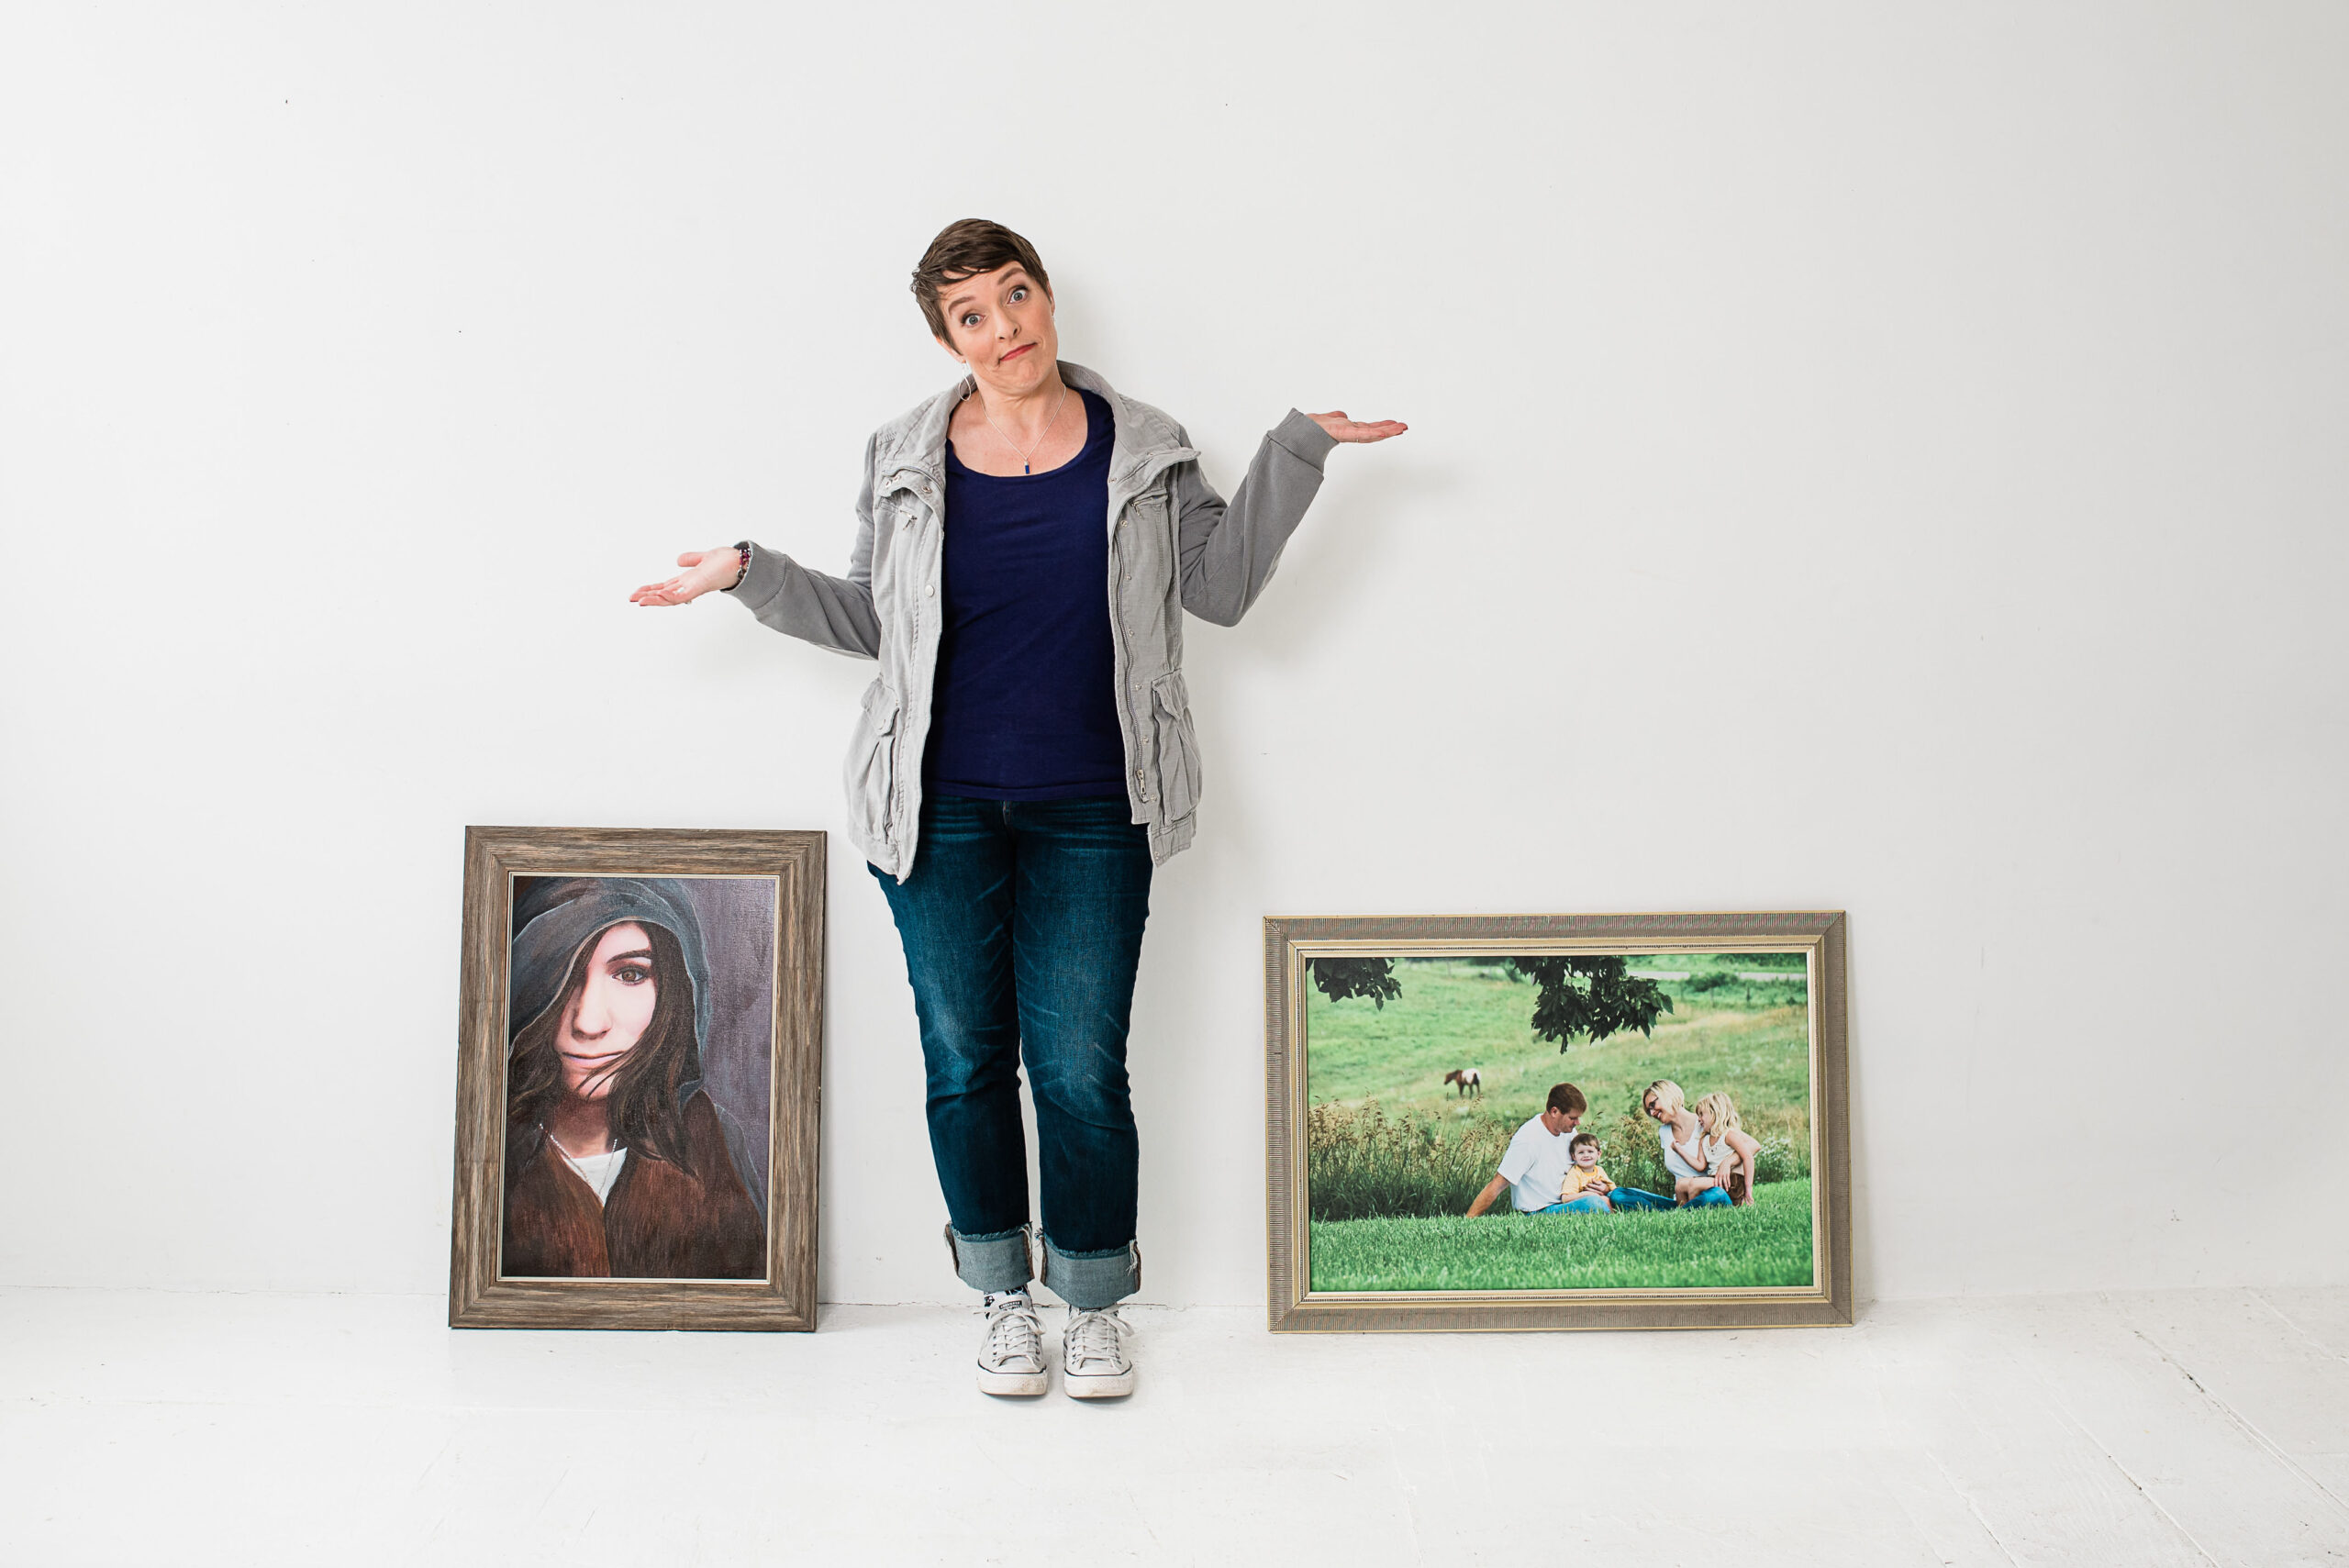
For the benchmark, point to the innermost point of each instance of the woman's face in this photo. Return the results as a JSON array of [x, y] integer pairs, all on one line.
[[606, 1016], [1000, 324]]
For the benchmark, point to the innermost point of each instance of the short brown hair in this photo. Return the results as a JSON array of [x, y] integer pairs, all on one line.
[[1579, 1138], [964, 248], [1567, 1100]]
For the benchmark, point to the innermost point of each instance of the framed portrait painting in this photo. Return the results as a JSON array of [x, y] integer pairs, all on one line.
[[1567, 1121], [639, 1043]]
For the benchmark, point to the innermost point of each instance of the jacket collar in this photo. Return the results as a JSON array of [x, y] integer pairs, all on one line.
[[911, 449]]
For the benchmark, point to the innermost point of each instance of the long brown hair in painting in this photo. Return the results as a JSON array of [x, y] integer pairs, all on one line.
[[618, 1163], [643, 1096]]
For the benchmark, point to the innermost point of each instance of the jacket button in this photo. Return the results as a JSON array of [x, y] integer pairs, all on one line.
[[928, 588]]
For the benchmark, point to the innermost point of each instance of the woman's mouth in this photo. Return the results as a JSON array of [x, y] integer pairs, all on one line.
[[1015, 353]]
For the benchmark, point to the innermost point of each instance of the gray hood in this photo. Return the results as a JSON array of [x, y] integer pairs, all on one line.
[[555, 915]]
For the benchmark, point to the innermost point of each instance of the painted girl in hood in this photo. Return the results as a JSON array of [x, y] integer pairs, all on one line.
[[618, 1161]]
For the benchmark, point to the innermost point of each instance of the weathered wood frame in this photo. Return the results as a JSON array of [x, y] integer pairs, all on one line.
[[1294, 1307], [785, 1299]]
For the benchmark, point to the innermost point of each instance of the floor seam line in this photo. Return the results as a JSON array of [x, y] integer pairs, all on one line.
[[2274, 1450], [2143, 1491], [1972, 1506], [2294, 1324]]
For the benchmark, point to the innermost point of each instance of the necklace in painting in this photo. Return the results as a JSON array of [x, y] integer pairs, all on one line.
[[573, 1160]]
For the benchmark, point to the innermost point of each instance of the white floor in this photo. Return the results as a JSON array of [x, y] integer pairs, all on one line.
[[2185, 1427]]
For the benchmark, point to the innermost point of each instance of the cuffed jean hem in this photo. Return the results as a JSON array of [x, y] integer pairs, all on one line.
[[992, 1263], [1090, 1281]]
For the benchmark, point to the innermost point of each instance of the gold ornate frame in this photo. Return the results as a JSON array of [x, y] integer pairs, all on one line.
[[1294, 1307], [785, 1299]]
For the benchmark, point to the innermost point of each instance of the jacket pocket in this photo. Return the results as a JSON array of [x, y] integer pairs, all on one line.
[[1179, 746], [872, 770]]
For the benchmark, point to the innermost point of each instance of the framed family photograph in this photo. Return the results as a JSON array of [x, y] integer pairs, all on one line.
[[1562, 1121], [639, 1043]]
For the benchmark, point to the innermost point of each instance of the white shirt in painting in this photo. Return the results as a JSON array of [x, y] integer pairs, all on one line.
[[1674, 1160], [599, 1171], [1535, 1166]]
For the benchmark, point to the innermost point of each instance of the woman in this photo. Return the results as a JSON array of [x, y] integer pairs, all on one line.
[[1683, 1137], [1026, 756], [617, 1162]]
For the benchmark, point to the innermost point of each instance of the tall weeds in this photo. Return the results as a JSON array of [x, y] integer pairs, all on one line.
[[1361, 1164]]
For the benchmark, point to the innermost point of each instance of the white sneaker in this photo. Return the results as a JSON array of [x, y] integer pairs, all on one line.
[[1011, 1361], [1093, 1362]]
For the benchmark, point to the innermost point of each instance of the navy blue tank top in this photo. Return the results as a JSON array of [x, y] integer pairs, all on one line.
[[1024, 705]]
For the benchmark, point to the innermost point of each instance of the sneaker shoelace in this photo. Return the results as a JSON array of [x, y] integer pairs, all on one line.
[[1095, 1338], [1014, 1331]]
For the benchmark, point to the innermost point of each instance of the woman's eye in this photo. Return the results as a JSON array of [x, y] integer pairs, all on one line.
[[1018, 294], [971, 320], [634, 974]]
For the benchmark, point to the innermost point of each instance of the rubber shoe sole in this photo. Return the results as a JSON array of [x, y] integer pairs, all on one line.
[[1097, 1386], [1016, 1384]]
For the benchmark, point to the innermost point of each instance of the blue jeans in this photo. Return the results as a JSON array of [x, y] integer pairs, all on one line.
[[1022, 927], [1639, 1197], [1589, 1203]]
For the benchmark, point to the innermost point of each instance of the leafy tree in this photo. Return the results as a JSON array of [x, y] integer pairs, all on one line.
[[1339, 978], [1589, 997]]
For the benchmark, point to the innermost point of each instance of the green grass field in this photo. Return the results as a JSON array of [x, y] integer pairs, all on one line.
[[1766, 1244], [1389, 1145], [1467, 1015]]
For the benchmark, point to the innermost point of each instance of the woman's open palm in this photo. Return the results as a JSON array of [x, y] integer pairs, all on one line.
[[1341, 429], [705, 569]]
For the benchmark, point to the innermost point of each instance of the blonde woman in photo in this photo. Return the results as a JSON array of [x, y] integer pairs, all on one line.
[[1730, 1151], [1683, 1137]]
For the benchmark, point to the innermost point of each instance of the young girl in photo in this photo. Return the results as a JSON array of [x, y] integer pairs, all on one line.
[[1728, 1152]]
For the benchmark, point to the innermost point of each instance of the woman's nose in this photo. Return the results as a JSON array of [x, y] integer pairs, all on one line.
[[593, 1017]]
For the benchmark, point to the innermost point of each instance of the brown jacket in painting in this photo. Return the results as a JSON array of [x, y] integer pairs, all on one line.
[[659, 1222]]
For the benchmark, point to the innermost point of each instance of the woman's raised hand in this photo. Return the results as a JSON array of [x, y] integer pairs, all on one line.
[[1341, 429], [705, 570]]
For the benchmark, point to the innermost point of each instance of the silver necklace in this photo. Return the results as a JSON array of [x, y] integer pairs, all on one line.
[[572, 1160], [1025, 467]]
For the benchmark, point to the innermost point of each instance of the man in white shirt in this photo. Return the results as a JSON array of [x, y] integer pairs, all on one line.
[[1534, 1168]]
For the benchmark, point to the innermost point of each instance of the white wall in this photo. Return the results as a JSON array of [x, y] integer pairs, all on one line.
[[1885, 458]]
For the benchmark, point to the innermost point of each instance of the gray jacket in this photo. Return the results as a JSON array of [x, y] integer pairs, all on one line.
[[1175, 545]]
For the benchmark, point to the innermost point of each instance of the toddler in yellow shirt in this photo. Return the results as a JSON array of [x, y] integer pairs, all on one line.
[[1586, 1187]]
